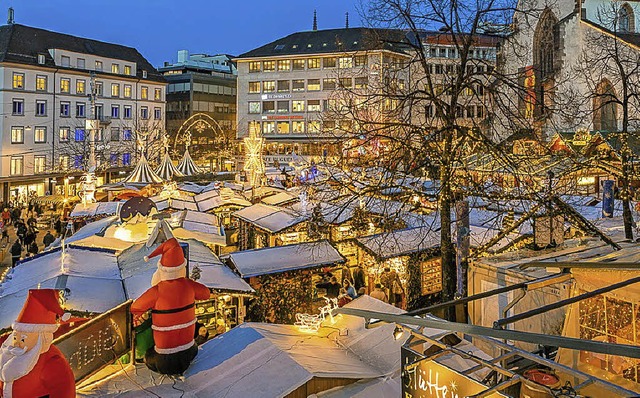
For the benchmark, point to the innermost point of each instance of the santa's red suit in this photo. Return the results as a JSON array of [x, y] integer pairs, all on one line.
[[40, 370], [51, 377], [173, 317]]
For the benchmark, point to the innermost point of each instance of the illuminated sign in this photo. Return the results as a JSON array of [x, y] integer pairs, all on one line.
[[284, 117], [586, 180], [275, 96], [98, 342], [429, 379]]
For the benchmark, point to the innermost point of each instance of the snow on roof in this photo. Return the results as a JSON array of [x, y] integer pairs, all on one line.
[[331, 213], [225, 197], [97, 241], [270, 218], [93, 228], [279, 199], [401, 242], [93, 209], [272, 260]]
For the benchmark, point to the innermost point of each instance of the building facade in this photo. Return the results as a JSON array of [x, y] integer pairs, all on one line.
[[47, 83], [286, 87], [202, 88]]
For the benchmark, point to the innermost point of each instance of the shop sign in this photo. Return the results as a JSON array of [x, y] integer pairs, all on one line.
[[275, 96], [284, 117], [100, 341], [429, 379], [586, 180]]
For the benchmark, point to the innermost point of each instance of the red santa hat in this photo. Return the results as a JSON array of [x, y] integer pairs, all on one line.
[[40, 312], [172, 258]]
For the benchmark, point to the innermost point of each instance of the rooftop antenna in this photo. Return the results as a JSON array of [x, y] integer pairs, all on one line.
[[10, 19], [315, 20], [346, 22]]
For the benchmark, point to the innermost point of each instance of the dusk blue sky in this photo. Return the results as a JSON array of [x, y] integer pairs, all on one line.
[[159, 28]]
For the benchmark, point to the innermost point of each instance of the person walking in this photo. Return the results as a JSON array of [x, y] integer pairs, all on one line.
[[349, 289], [21, 230], [358, 278], [32, 248], [16, 252], [6, 216], [388, 278], [48, 239]]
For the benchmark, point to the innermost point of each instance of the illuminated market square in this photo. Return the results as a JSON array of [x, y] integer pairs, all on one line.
[[320, 199]]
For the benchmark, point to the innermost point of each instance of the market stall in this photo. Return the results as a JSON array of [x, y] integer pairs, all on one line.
[[268, 226]]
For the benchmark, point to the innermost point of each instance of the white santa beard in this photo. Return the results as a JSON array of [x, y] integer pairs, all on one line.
[[13, 367]]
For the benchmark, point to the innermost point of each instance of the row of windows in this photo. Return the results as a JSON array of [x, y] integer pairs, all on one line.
[[64, 161], [449, 69], [81, 87], [286, 65], [284, 106], [469, 112], [18, 109], [286, 127], [285, 86], [98, 65], [201, 88], [64, 134], [452, 52]]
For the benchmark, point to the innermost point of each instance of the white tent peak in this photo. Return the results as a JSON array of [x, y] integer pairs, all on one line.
[[187, 166], [143, 173], [167, 170]]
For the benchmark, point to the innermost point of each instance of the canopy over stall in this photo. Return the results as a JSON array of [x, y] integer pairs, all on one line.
[[142, 174], [167, 170]]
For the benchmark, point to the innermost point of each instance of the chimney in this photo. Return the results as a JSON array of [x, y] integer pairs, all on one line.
[[183, 56], [10, 19], [315, 20], [346, 21]]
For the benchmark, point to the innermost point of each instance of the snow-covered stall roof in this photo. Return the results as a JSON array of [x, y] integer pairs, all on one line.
[[91, 275], [277, 259], [270, 218], [102, 242], [213, 199], [200, 226], [96, 209], [401, 242], [93, 228], [279, 199]]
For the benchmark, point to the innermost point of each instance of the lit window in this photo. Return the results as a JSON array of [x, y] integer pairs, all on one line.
[[268, 86], [297, 85], [17, 135], [115, 68], [80, 109], [283, 128], [144, 92], [297, 106], [284, 65], [313, 85], [64, 134], [18, 81], [126, 159], [65, 109], [40, 135], [18, 107], [345, 82], [314, 126], [80, 86], [41, 108], [127, 70], [254, 66], [78, 161], [64, 161], [115, 111], [254, 87], [99, 88], [41, 83], [313, 63], [360, 60], [17, 165], [127, 91], [268, 66], [115, 90], [329, 84], [329, 62], [254, 107], [298, 64], [157, 94], [268, 127], [65, 85], [98, 65], [345, 62], [313, 106], [79, 134], [298, 127], [39, 163]]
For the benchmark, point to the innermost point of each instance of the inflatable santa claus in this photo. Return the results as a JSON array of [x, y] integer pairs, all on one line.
[[30, 367], [171, 300]]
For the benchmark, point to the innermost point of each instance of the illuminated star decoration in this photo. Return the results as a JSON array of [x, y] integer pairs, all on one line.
[[253, 156], [453, 385]]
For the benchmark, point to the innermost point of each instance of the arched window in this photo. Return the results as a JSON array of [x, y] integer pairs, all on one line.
[[545, 62], [605, 112], [626, 19]]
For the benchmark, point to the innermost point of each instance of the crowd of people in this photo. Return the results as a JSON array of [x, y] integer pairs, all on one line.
[[387, 288]]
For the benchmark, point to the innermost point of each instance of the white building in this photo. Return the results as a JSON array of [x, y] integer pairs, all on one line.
[[46, 85]]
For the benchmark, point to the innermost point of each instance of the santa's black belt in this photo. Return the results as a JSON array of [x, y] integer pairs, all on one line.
[[173, 310]]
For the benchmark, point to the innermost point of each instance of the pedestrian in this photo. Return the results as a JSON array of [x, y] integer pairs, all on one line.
[[358, 278], [332, 287], [343, 298], [48, 239], [21, 230], [6, 216], [348, 287], [379, 293], [16, 252], [387, 279], [346, 274], [32, 248], [29, 237]]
